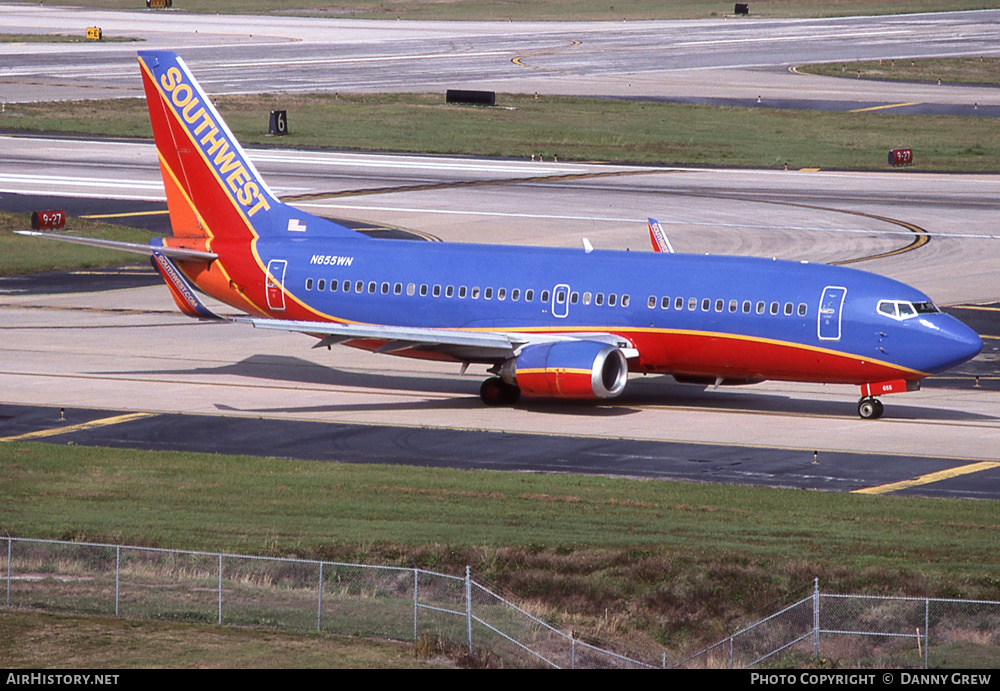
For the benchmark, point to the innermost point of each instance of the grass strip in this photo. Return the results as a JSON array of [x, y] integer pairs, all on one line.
[[24, 255], [669, 563], [974, 70], [581, 129]]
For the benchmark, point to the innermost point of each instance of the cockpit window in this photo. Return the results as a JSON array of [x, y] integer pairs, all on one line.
[[901, 310]]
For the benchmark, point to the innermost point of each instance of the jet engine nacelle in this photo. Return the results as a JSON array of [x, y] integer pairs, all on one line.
[[568, 369]]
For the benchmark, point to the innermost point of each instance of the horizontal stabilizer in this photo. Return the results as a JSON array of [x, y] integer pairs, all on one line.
[[133, 247]]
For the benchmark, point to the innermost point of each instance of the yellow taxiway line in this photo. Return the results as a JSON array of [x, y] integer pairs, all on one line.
[[103, 422], [929, 478]]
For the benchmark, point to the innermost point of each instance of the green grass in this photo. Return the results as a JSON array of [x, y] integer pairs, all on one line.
[[944, 70], [568, 128], [24, 255], [104, 645], [573, 10], [58, 38], [672, 563]]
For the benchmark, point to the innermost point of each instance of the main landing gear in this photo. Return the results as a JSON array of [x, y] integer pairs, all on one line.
[[870, 408], [495, 391]]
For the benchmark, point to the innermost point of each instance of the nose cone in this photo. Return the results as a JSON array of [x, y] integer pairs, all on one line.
[[957, 343]]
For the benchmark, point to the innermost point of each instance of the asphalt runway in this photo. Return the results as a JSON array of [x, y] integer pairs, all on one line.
[[113, 353]]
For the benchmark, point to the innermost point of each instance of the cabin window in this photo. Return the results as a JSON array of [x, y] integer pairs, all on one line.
[[560, 297], [347, 286], [733, 305], [372, 287], [515, 294], [774, 308], [599, 299], [462, 292], [586, 298], [436, 292], [574, 298], [746, 307], [529, 295], [385, 288], [475, 292], [803, 309], [449, 291], [321, 284], [423, 290], [487, 293], [309, 284], [625, 300], [651, 303], [359, 287], [397, 289], [692, 304], [501, 293], [679, 304], [789, 308], [612, 299], [333, 286], [410, 289], [664, 303], [545, 296], [761, 307]]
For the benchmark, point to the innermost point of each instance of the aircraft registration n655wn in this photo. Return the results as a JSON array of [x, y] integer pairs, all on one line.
[[557, 323]]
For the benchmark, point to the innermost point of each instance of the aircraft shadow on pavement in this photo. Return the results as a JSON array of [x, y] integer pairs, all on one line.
[[462, 393]]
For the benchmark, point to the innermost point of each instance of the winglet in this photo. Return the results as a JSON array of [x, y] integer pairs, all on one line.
[[180, 289], [657, 238]]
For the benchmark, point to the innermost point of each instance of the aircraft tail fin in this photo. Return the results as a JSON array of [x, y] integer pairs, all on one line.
[[657, 238], [213, 189]]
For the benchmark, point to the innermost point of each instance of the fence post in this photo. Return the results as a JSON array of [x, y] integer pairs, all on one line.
[[927, 631], [572, 651], [319, 602], [468, 604], [816, 618], [220, 589], [416, 581], [8, 570], [118, 565]]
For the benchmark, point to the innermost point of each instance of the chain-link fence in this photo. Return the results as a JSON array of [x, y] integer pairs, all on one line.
[[350, 599], [863, 631], [413, 604]]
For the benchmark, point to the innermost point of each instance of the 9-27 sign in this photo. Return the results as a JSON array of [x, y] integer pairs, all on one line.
[[901, 157], [48, 220]]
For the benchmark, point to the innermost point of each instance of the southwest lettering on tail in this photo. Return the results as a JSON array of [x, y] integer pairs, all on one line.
[[546, 322], [212, 137]]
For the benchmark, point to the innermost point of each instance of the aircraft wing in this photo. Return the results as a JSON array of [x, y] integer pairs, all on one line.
[[462, 345]]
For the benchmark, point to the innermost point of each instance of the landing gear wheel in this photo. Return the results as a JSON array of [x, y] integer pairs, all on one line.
[[870, 408], [495, 391]]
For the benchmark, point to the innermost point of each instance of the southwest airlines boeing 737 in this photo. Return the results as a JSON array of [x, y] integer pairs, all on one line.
[[549, 323]]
